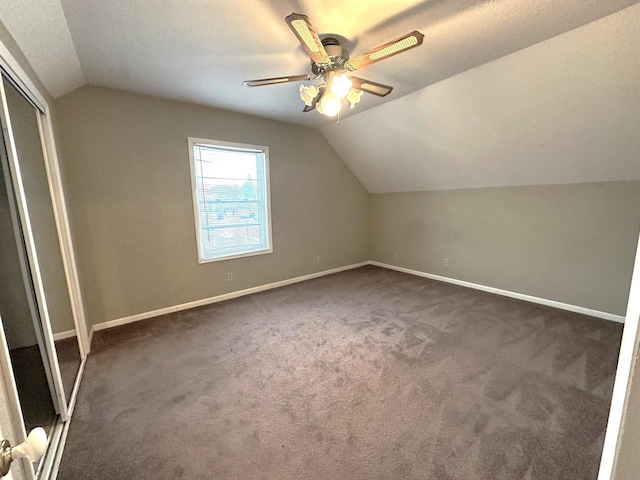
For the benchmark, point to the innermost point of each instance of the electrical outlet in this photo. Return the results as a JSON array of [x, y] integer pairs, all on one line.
[[318, 258], [396, 255], [230, 277], [446, 262]]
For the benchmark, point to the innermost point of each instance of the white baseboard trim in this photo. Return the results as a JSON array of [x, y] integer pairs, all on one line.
[[218, 298], [506, 293], [63, 335], [269, 286]]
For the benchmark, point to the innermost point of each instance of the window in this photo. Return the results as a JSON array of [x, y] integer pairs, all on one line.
[[230, 185]]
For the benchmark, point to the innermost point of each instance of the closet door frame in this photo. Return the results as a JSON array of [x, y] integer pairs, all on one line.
[[22, 223], [10, 411], [19, 78]]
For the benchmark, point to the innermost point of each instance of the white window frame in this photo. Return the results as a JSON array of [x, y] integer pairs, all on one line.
[[192, 141]]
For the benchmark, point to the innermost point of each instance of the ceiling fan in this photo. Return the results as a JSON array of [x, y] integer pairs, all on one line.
[[331, 64]]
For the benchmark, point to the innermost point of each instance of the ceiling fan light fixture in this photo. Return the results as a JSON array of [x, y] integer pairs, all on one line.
[[308, 94], [340, 84], [354, 97], [330, 105], [332, 66]]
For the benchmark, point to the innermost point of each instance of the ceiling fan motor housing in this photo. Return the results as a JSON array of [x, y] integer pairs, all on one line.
[[336, 53]]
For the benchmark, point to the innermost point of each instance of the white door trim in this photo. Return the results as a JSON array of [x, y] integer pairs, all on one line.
[[64, 230], [627, 361]]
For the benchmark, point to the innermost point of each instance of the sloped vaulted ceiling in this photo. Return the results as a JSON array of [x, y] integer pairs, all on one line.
[[566, 110], [501, 93]]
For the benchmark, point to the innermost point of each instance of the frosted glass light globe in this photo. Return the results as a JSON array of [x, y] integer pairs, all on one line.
[[354, 97], [340, 85], [330, 104], [308, 94]]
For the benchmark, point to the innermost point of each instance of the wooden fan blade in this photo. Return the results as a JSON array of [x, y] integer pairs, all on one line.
[[399, 45], [368, 86], [275, 80], [308, 37]]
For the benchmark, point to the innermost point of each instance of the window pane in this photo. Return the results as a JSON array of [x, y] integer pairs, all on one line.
[[232, 240], [231, 199]]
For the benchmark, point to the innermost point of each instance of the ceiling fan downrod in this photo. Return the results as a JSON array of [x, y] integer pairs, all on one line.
[[337, 56]]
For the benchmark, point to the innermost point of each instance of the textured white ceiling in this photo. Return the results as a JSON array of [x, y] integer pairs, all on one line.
[[40, 28], [481, 103], [201, 50], [563, 111]]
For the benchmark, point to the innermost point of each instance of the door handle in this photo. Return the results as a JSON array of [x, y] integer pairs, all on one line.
[[32, 448]]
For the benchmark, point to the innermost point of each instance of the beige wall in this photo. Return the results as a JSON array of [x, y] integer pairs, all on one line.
[[126, 164], [570, 243], [128, 187]]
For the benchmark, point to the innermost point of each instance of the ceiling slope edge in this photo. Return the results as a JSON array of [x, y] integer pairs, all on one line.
[[40, 29], [561, 111]]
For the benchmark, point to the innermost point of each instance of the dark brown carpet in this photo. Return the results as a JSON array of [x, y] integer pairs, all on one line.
[[366, 374]]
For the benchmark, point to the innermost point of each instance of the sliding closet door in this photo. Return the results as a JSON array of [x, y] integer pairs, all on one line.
[[39, 224], [20, 318]]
